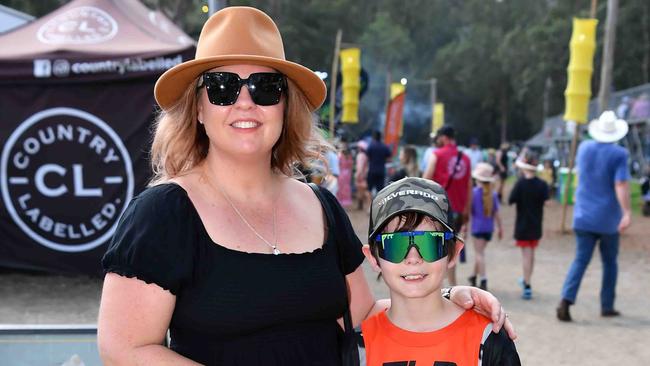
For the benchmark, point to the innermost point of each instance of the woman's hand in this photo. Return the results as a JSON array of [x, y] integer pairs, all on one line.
[[485, 304]]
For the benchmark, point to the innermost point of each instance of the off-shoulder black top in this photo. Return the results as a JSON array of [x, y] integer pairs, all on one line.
[[233, 307]]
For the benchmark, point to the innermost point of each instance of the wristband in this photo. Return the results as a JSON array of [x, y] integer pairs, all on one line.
[[446, 293]]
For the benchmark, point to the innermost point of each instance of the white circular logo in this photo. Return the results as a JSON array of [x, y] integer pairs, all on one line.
[[81, 25], [66, 178], [457, 171], [61, 68]]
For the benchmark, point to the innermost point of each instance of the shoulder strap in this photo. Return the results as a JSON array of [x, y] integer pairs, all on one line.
[[347, 317], [329, 217], [453, 173]]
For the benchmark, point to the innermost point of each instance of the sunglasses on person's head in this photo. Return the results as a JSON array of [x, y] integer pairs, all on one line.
[[431, 245], [223, 88]]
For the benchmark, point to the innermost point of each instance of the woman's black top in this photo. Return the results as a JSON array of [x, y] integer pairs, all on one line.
[[233, 307]]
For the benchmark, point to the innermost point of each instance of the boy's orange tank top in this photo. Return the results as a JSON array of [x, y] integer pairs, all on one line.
[[457, 344]]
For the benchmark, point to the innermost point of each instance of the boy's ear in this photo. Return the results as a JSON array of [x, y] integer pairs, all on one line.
[[459, 245], [371, 258]]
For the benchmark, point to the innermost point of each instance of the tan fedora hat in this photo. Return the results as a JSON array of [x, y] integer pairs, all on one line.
[[232, 36]]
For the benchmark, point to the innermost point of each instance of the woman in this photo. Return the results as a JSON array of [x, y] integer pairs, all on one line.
[[344, 194], [361, 175], [226, 249], [501, 160], [408, 157]]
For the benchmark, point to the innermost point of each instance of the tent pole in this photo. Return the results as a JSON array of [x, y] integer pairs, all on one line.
[[335, 70], [572, 156]]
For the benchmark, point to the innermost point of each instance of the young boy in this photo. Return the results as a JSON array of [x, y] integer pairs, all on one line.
[[529, 194], [411, 243]]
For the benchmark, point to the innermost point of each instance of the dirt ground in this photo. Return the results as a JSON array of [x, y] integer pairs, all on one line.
[[27, 298]]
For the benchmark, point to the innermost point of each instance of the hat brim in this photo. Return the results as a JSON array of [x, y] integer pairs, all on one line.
[[481, 178], [521, 165], [172, 84], [601, 136]]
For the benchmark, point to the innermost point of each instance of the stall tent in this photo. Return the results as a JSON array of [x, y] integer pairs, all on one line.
[[77, 107]]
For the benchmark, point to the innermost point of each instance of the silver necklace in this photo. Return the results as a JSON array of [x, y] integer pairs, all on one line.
[[274, 247]]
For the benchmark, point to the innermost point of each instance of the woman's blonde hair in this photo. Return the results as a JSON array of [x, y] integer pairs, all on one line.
[[487, 199], [411, 164], [180, 142]]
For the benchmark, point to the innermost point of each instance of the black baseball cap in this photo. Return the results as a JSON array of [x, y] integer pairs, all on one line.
[[405, 195], [446, 130]]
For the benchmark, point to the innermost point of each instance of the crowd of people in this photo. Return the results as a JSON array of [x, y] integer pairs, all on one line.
[[351, 166], [634, 108], [473, 179]]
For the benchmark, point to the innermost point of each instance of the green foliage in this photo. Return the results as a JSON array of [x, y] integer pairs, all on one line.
[[494, 60], [34, 8], [387, 41]]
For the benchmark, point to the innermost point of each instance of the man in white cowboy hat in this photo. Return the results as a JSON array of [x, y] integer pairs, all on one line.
[[601, 211]]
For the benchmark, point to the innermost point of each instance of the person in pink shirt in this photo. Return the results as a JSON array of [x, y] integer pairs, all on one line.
[[344, 194], [361, 175]]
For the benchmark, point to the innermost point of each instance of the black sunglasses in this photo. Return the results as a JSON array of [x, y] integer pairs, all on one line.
[[223, 88]]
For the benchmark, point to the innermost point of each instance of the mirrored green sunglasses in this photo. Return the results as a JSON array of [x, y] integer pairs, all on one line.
[[431, 245]]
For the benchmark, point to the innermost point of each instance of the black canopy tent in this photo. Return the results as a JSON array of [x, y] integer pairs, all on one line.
[[77, 107]]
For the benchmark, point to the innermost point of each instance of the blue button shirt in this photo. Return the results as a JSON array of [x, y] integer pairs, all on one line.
[[600, 166]]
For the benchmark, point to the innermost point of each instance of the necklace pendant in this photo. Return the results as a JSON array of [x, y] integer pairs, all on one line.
[[276, 251]]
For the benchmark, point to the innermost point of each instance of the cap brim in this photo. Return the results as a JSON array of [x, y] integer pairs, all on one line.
[[172, 84], [396, 213]]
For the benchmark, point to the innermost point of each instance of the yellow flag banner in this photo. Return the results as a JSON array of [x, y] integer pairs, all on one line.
[[581, 59], [396, 89], [438, 116], [351, 75]]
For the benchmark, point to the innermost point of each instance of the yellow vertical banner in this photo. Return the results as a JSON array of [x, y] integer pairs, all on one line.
[[581, 59], [351, 74], [438, 116], [395, 90]]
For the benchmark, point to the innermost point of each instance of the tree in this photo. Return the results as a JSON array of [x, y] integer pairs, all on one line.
[[496, 61]]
